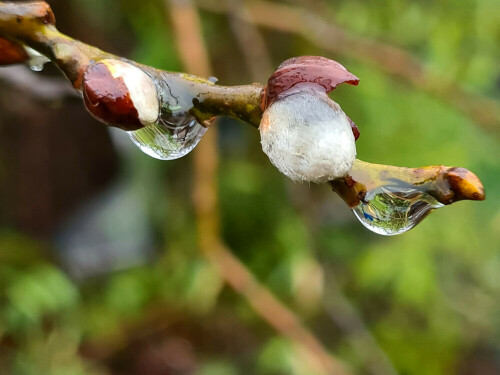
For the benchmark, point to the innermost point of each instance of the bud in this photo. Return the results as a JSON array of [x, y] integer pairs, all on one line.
[[11, 53], [305, 134], [463, 185], [120, 94]]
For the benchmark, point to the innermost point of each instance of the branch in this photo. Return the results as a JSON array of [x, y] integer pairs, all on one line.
[[110, 86]]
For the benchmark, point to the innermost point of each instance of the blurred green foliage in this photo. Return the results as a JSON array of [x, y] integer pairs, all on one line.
[[429, 298]]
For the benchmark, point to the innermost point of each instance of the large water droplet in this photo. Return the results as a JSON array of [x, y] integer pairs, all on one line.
[[177, 131], [391, 209], [169, 141]]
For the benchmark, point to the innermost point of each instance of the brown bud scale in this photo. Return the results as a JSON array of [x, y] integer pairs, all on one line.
[[355, 130], [108, 98], [319, 72], [465, 185]]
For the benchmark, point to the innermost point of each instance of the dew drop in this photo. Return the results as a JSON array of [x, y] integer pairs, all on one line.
[[214, 80], [36, 67], [177, 131], [36, 61], [167, 141], [391, 209]]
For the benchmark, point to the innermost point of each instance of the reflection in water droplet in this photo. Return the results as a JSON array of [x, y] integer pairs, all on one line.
[[36, 67], [389, 210], [167, 141], [36, 61], [177, 131]]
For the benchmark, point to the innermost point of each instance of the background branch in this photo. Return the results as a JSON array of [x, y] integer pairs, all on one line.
[[40, 87]]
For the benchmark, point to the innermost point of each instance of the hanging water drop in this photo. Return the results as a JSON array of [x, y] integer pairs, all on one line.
[[391, 200], [36, 60], [176, 132], [153, 108], [390, 210], [169, 141]]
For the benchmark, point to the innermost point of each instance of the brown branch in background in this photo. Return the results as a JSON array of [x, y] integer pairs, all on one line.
[[402, 64], [193, 53], [189, 43], [344, 315], [337, 306], [276, 314], [249, 40]]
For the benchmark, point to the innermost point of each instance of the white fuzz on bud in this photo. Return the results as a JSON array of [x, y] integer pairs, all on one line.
[[308, 137]]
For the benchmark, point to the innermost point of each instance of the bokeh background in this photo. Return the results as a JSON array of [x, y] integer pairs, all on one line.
[[104, 268]]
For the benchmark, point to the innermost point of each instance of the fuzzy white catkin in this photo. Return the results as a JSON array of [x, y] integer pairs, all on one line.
[[308, 137]]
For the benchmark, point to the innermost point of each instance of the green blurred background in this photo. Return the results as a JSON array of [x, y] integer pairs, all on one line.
[[100, 271]]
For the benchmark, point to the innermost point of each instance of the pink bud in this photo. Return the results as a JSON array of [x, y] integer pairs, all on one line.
[[305, 134], [316, 72]]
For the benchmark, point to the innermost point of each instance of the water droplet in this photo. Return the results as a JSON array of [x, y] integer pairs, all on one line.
[[36, 61], [392, 209], [177, 131], [36, 67], [167, 141], [214, 80]]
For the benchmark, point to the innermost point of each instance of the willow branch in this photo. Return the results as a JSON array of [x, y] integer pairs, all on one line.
[[33, 25]]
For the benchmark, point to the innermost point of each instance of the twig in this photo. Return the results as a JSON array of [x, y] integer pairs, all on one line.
[[275, 313], [33, 24]]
